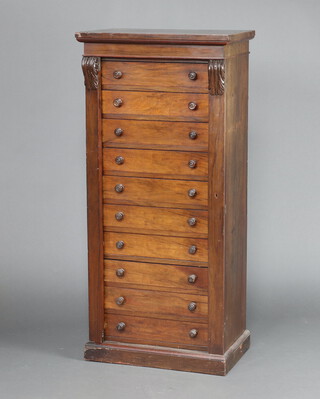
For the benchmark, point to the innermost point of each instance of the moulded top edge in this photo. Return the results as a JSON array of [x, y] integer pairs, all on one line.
[[165, 36]]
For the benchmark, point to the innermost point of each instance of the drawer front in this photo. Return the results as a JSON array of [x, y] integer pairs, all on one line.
[[186, 165], [176, 77], [153, 105], [144, 302], [155, 276], [155, 134], [161, 332], [155, 192], [124, 245], [163, 221]]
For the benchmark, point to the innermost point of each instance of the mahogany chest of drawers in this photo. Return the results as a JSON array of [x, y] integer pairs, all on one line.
[[166, 130]]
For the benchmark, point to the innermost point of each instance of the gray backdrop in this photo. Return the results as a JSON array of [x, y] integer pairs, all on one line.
[[43, 295]]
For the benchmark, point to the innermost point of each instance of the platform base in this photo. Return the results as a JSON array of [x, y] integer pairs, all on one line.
[[168, 358]]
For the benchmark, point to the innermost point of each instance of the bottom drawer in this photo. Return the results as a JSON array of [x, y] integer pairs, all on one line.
[[149, 331]]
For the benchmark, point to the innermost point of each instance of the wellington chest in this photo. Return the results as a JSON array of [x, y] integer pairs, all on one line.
[[166, 123]]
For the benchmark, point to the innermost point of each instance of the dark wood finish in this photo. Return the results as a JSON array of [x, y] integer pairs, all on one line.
[[151, 163], [216, 225], [152, 331], [156, 276], [155, 303], [172, 36], [155, 76], [169, 358], [155, 192], [167, 197], [91, 67], [216, 76], [162, 221], [236, 143], [155, 105], [152, 246], [155, 51], [155, 135], [92, 73]]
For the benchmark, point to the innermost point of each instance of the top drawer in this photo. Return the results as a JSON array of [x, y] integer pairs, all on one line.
[[155, 76]]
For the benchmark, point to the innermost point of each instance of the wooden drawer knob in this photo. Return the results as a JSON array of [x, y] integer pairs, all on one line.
[[192, 221], [192, 278], [192, 75], [118, 132], [193, 249], [192, 192], [117, 102], [120, 244], [119, 215], [119, 188], [193, 135], [192, 106], [119, 160], [192, 164], [121, 326], [117, 74], [120, 272], [120, 300], [193, 333], [192, 306]]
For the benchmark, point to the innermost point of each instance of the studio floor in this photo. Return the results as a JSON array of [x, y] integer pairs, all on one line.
[[46, 363]]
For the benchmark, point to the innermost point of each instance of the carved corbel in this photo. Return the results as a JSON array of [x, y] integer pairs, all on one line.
[[216, 74], [91, 67]]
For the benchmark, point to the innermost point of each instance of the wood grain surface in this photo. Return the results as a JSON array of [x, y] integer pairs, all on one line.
[[155, 134], [155, 192], [153, 246], [158, 51], [155, 163], [152, 331], [161, 221], [155, 276], [155, 76], [155, 303], [155, 105]]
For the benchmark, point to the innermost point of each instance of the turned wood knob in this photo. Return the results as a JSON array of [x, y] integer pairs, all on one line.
[[119, 215], [192, 106], [192, 306], [121, 326], [192, 192], [117, 102], [192, 75], [117, 74], [192, 164], [193, 333], [120, 300], [193, 135], [120, 244], [119, 160], [192, 278], [118, 132], [120, 272], [192, 221], [193, 249], [119, 188]]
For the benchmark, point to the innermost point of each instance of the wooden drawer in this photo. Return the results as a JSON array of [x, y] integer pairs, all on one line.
[[169, 76], [162, 221], [191, 136], [137, 246], [155, 105], [151, 331], [156, 276], [155, 192], [152, 163], [155, 303]]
